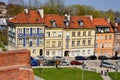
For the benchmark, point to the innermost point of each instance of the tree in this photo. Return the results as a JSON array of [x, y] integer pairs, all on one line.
[[54, 6]]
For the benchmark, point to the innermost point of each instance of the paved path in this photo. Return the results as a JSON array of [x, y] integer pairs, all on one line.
[[105, 77], [37, 78]]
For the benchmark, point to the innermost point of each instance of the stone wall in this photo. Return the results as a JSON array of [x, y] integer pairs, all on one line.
[[15, 65]]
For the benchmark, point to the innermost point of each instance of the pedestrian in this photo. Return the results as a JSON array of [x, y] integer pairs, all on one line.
[[101, 72], [38, 62], [105, 73]]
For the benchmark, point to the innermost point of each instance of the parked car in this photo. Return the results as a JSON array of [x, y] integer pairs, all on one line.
[[74, 62], [114, 58], [58, 58], [107, 64], [102, 58], [41, 58], [92, 57], [49, 63], [64, 63], [80, 58], [34, 62]]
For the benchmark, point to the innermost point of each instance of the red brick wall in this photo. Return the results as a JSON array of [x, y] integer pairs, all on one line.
[[15, 65], [17, 57]]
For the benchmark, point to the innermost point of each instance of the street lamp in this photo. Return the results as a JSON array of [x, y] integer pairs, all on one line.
[[83, 70], [116, 70]]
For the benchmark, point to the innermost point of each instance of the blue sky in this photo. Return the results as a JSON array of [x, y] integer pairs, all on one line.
[[98, 4]]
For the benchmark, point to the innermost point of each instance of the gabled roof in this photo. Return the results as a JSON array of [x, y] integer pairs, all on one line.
[[87, 23], [73, 23], [100, 22], [32, 17], [103, 23], [57, 18]]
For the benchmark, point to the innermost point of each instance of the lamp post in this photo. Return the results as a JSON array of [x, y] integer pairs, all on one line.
[[83, 70], [116, 70]]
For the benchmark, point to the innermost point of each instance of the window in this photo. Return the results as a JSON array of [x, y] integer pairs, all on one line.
[[104, 53], [83, 52], [78, 34], [97, 37], [83, 42], [78, 43], [101, 37], [96, 45], [27, 30], [80, 22], [73, 34], [100, 53], [34, 51], [34, 30], [48, 44], [84, 33], [59, 34], [53, 53], [73, 43], [19, 30], [20, 41], [48, 34], [47, 53], [59, 43], [53, 43], [40, 30], [109, 54], [89, 42], [88, 51], [53, 23], [89, 33], [53, 33], [110, 37], [105, 37]]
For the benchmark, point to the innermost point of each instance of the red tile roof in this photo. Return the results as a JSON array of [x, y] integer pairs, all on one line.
[[118, 28], [32, 17], [100, 22], [73, 23], [58, 20]]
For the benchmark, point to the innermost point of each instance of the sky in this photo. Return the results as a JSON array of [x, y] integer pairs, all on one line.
[[98, 4]]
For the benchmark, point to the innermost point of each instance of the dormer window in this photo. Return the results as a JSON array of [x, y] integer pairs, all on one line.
[[80, 22], [66, 22], [53, 23]]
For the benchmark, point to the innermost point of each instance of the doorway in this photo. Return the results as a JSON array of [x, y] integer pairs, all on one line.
[[41, 52], [66, 53]]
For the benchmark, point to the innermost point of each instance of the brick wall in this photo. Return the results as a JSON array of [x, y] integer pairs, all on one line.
[[15, 65]]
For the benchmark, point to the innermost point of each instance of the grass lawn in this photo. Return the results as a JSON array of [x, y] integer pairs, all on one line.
[[66, 74], [114, 74]]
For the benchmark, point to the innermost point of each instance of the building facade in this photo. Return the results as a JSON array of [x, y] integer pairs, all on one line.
[[104, 37], [55, 35], [3, 10], [26, 30]]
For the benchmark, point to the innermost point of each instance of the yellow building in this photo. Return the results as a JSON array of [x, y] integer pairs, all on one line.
[[26, 30]]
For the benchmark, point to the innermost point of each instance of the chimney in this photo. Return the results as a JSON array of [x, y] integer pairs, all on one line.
[[116, 24], [90, 17], [67, 16], [41, 12], [26, 11], [108, 19]]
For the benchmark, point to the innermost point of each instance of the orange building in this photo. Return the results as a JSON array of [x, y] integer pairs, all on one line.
[[104, 43]]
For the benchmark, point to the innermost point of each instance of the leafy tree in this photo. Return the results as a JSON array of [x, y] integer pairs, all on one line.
[[54, 6]]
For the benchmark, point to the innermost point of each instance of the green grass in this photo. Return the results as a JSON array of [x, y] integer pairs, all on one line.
[[66, 74], [113, 74]]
